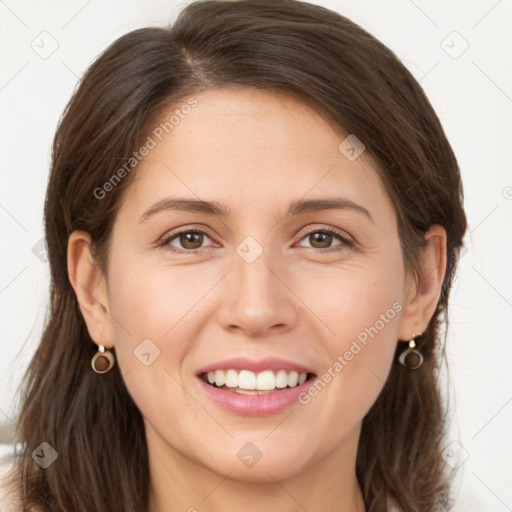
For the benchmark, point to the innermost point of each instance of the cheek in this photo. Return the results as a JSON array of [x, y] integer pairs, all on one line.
[[155, 314], [144, 311], [152, 302], [362, 309], [356, 297]]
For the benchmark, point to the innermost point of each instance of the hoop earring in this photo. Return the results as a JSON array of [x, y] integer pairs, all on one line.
[[411, 358], [103, 361]]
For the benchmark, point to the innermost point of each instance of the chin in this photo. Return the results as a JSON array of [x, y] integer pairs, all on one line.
[[271, 466]]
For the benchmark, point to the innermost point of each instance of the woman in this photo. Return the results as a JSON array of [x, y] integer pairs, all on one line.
[[253, 220]]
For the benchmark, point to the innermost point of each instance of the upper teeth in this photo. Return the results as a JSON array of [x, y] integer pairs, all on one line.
[[263, 381]]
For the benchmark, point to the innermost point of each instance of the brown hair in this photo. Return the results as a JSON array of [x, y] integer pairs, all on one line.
[[361, 86]]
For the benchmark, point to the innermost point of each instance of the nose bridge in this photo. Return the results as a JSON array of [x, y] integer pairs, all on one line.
[[257, 298], [254, 272]]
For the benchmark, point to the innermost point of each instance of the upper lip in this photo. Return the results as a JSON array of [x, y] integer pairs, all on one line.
[[256, 366]]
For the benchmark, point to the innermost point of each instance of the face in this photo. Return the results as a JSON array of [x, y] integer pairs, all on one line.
[[300, 300]]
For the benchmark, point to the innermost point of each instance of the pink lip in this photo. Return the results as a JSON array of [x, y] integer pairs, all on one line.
[[254, 405], [242, 363]]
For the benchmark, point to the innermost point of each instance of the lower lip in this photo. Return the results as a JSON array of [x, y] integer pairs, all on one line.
[[254, 405]]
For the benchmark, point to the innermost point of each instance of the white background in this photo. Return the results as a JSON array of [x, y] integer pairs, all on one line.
[[472, 94]]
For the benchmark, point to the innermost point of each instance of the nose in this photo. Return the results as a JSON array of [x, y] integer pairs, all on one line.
[[259, 302]]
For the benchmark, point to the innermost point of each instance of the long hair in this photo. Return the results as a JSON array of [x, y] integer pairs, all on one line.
[[356, 82]]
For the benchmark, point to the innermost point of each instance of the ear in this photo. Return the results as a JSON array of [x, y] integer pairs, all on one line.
[[423, 291], [88, 282]]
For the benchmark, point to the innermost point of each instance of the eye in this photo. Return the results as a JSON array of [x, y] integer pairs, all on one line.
[[321, 239], [190, 240]]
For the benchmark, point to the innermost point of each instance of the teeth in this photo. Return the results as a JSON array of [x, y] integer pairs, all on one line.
[[281, 379], [293, 378], [246, 379], [231, 379], [220, 378], [263, 381]]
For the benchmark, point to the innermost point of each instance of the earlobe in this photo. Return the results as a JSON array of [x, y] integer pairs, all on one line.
[[422, 298], [88, 282]]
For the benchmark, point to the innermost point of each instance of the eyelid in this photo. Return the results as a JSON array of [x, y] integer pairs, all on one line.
[[167, 237], [330, 229]]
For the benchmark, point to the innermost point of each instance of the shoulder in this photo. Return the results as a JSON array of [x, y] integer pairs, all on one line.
[[10, 500]]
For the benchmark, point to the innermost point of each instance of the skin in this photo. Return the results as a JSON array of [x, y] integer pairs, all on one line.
[[254, 152]]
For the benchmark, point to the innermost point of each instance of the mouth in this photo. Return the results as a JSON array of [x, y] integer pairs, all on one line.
[[249, 387], [247, 382]]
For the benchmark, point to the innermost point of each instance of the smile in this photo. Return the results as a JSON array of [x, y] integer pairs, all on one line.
[[249, 387], [252, 383]]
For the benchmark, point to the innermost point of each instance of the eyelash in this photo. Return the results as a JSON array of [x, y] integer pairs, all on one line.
[[324, 230]]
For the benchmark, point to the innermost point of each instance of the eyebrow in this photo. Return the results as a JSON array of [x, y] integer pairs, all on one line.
[[214, 208]]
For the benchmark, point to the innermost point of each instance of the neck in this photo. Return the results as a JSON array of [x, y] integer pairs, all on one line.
[[178, 484]]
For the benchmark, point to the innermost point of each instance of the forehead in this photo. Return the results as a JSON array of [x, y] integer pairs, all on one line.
[[245, 146]]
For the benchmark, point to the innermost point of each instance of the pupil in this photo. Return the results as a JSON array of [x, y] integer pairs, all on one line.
[[324, 239], [189, 238]]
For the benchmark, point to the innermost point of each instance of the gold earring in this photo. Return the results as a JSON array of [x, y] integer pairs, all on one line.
[[103, 361], [411, 358]]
